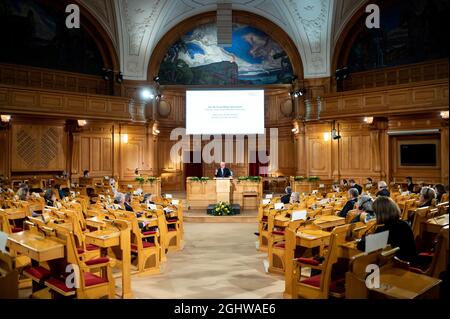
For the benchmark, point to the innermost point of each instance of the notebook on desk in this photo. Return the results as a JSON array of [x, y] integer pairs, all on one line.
[[376, 241]]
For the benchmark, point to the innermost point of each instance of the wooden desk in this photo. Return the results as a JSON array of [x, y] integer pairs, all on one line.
[[397, 283], [95, 222], [329, 221], [311, 238], [103, 238], [35, 246], [348, 250], [12, 213], [281, 221], [434, 225], [153, 221]]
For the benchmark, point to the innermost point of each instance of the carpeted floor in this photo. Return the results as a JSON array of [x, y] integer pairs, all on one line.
[[218, 261]]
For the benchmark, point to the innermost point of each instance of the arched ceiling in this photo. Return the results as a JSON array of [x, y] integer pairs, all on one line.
[[136, 26]]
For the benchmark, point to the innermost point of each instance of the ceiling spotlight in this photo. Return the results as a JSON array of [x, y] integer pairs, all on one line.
[[294, 130], [5, 118], [335, 134], [82, 123], [445, 114], [106, 74], [156, 79], [342, 74], [146, 94]]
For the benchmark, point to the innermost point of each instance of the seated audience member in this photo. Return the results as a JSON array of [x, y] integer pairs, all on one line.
[[295, 198], [369, 183], [353, 195], [335, 187], [49, 197], [440, 190], [364, 205], [127, 202], [285, 199], [119, 201], [86, 174], [353, 184], [147, 199], [23, 193], [400, 233], [344, 182], [427, 194], [383, 189], [409, 184]]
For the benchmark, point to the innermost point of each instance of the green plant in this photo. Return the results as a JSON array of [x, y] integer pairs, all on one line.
[[222, 209], [313, 179], [249, 178], [152, 179], [193, 179], [204, 179], [299, 178], [140, 180]]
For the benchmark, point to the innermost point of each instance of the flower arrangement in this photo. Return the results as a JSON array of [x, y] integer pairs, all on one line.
[[313, 179], [151, 179], [222, 209], [299, 178]]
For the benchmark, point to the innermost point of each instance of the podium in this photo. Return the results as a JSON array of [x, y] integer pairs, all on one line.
[[223, 189]]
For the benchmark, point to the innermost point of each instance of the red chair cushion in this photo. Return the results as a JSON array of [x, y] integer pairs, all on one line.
[[147, 233], [278, 232], [91, 247], [80, 251], [38, 272], [60, 284], [97, 261], [280, 245], [173, 220], [337, 286], [426, 254], [172, 229], [309, 261], [264, 219], [415, 270], [16, 229], [146, 244], [92, 280]]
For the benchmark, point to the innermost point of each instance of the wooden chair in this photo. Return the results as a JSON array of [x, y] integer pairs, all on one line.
[[408, 207], [95, 276], [145, 245], [276, 244], [351, 214], [263, 237], [321, 286], [9, 277], [170, 237]]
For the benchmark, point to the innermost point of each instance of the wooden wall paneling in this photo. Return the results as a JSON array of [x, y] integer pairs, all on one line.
[[318, 151], [5, 153], [38, 148], [444, 154]]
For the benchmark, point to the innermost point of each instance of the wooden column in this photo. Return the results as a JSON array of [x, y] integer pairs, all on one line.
[[300, 149]]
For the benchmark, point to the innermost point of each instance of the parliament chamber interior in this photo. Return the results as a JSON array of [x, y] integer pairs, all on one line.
[[182, 149]]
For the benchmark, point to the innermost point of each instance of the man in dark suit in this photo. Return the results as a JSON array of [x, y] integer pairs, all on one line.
[[354, 185], [223, 171]]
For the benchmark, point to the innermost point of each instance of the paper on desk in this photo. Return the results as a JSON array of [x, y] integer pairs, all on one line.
[[376, 241], [269, 196], [168, 196], [152, 206], [3, 240], [278, 206], [314, 192], [299, 214], [266, 201], [175, 201]]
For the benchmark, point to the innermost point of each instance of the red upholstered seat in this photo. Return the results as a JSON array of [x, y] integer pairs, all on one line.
[[172, 220], [278, 232], [147, 233], [58, 284], [89, 280], [37, 273], [280, 245], [92, 280], [97, 261], [337, 286], [426, 254], [91, 247], [80, 251], [415, 270], [16, 229], [146, 244], [264, 219], [172, 229], [308, 261]]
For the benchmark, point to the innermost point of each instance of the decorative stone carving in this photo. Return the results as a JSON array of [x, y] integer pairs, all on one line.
[[286, 108], [164, 108]]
